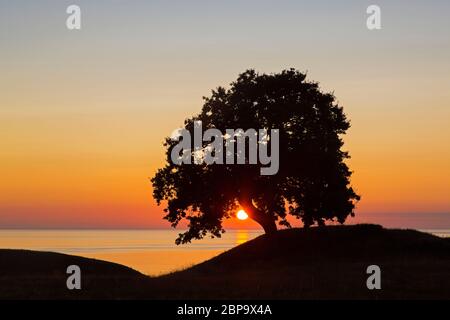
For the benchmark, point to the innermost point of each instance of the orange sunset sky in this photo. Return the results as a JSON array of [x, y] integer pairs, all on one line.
[[83, 114]]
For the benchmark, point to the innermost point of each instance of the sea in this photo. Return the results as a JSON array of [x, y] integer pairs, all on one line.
[[151, 252]]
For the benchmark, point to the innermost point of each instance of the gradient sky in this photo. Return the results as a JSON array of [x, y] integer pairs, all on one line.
[[83, 113]]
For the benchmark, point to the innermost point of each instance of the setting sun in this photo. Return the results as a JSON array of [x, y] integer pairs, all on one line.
[[242, 215]]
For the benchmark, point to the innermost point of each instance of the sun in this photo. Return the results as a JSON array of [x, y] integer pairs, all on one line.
[[242, 215]]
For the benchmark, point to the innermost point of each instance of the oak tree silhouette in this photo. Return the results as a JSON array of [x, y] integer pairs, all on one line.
[[313, 181]]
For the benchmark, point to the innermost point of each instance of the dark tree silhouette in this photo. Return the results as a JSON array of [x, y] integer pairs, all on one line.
[[313, 181]]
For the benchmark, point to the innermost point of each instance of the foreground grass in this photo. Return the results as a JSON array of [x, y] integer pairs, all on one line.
[[319, 263]]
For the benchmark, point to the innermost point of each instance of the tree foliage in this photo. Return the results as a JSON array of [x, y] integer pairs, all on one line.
[[313, 181]]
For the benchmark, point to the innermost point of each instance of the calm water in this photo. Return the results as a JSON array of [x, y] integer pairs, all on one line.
[[152, 252]]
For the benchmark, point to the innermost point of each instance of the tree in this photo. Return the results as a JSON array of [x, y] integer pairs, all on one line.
[[313, 181]]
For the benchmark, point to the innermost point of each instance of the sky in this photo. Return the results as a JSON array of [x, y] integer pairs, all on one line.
[[83, 113]]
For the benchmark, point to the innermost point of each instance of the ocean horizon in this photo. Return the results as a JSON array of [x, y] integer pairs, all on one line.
[[149, 251]]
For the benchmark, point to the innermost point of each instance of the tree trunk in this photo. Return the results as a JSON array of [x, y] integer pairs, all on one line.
[[269, 226], [266, 221]]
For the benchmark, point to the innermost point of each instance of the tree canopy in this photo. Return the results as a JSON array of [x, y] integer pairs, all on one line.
[[311, 184]]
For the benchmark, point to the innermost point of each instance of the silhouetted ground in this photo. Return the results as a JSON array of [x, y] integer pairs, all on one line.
[[319, 263], [28, 274]]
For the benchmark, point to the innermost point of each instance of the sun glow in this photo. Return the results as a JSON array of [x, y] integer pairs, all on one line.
[[242, 215]]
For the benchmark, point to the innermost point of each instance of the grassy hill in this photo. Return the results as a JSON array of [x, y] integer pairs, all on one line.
[[318, 263], [28, 274]]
